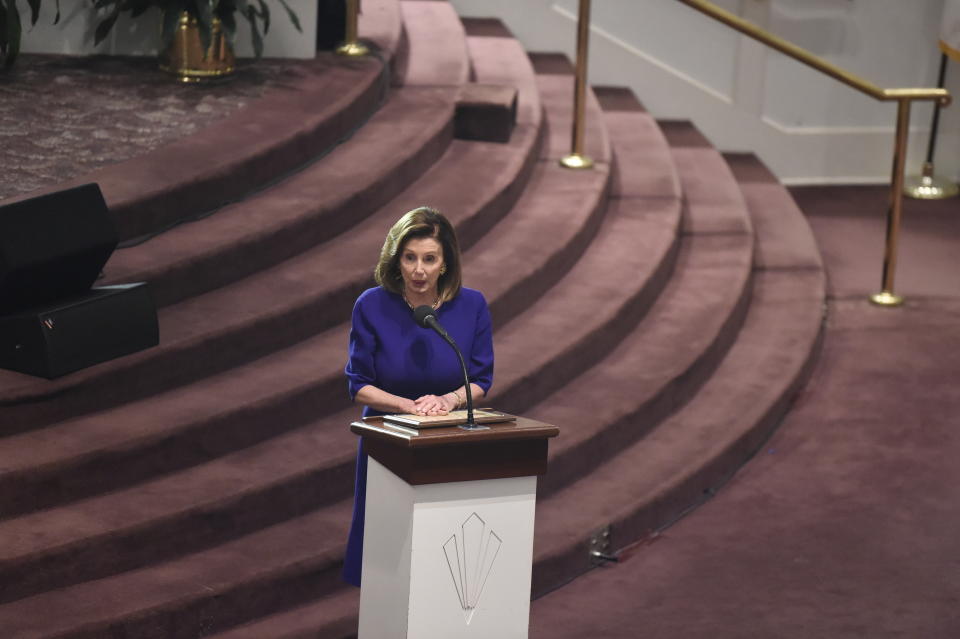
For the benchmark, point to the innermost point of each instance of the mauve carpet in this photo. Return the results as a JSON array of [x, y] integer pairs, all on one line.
[[63, 116], [846, 524]]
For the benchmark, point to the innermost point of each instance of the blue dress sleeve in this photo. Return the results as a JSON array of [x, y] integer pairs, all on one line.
[[481, 357], [361, 369]]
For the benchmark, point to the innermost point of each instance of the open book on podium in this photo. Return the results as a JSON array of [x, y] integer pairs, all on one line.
[[453, 418]]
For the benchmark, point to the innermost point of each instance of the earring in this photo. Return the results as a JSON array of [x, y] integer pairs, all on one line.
[[443, 269]]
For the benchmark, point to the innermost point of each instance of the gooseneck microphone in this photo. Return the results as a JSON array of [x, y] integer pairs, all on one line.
[[427, 318]]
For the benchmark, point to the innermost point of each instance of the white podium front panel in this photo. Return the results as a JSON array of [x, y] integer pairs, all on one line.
[[443, 561]]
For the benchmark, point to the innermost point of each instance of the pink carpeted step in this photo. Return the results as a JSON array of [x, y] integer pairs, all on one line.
[[250, 148], [325, 199], [650, 483], [658, 366], [198, 594], [380, 23], [192, 423], [645, 166], [789, 240], [331, 617], [293, 300], [188, 425], [555, 76], [496, 60], [599, 302], [642, 486], [198, 507], [708, 178], [587, 313], [437, 51], [685, 333]]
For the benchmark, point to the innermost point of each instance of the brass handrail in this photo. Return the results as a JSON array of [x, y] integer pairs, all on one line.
[[802, 55], [904, 97]]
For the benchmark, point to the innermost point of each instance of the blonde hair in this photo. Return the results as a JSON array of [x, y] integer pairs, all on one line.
[[418, 223]]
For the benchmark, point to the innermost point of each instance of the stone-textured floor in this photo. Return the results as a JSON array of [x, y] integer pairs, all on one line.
[[63, 116]]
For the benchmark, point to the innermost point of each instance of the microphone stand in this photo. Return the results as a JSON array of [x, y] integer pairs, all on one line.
[[425, 317], [471, 424]]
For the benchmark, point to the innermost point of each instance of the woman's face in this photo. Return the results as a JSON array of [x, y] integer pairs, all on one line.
[[420, 262]]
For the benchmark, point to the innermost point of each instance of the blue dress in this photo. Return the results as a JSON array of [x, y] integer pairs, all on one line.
[[390, 351]]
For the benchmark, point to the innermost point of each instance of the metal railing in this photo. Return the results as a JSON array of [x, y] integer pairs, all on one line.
[[904, 97]]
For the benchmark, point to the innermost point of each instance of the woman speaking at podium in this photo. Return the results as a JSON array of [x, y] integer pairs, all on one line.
[[395, 365]]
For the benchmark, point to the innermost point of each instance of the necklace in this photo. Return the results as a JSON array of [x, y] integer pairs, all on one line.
[[435, 304]]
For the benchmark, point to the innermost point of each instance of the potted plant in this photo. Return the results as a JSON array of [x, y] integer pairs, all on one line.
[[11, 27], [197, 35]]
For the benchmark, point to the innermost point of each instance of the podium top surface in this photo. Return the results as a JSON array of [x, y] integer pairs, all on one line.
[[521, 429]]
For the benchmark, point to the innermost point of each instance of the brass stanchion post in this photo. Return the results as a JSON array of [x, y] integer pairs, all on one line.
[[351, 45], [886, 297], [928, 185], [576, 159]]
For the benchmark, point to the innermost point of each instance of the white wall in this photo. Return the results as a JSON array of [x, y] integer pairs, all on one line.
[[807, 127], [73, 35]]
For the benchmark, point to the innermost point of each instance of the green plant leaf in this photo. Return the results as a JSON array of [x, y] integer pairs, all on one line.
[[293, 16], [3, 30], [103, 29], [138, 8], [265, 16], [171, 18], [254, 32], [34, 10], [204, 10], [228, 22], [13, 32]]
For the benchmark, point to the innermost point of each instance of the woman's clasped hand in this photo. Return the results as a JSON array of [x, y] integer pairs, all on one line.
[[434, 404]]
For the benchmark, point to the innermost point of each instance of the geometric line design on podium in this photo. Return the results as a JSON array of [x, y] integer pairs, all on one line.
[[470, 557]]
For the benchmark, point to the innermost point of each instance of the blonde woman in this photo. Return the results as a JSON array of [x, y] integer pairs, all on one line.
[[397, 366]]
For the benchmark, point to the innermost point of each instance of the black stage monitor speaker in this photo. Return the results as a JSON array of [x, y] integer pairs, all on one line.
[[59, 338], [53, 246]]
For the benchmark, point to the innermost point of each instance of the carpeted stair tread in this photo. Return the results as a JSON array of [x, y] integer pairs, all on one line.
[[651, 482], [197, 594], [314, 290], [682, 133], [189, 424], [381, 23], [437, 44], [619, 276], [658, 366], [314, 205], [706, 178], [486, 27], [331, 617], [503, 239], [558, 87], [561, 208], [592, 308], [618, 98], [284, 129], [78, 447], [788, 239], [182, 512], [644, 166], [683, 335], [503, 60]]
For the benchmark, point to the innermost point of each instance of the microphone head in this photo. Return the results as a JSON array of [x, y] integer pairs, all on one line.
[[421, 313]]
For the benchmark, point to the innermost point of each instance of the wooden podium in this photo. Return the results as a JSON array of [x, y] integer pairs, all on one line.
[[448, 535]]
